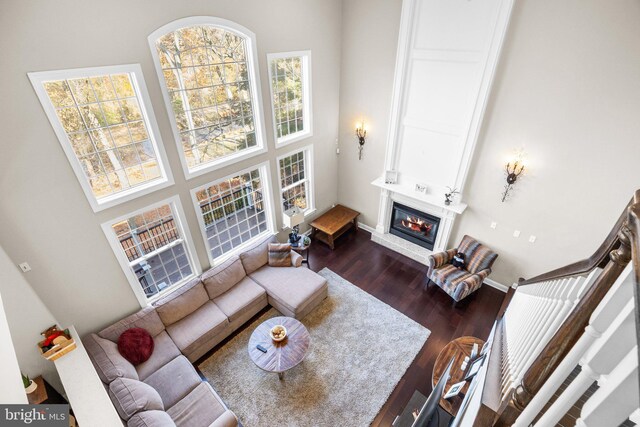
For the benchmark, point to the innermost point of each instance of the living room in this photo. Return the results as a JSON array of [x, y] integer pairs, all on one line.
[[332, 119]]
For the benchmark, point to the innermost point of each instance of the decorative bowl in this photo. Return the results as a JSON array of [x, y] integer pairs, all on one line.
[[278, 333]]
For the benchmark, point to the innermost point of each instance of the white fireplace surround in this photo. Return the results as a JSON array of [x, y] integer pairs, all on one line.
[[429, 203]]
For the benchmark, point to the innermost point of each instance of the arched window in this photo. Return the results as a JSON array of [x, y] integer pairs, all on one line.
[[208, 71]]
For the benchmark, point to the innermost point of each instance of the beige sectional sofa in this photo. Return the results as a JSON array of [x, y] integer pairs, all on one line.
[[187, 323]]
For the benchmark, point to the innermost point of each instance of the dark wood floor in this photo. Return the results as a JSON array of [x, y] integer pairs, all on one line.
[[398, 281]]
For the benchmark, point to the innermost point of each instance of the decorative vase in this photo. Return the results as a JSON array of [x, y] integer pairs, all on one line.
[[31, 388]]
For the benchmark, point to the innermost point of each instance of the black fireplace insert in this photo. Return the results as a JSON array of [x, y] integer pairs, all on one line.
[[415, 226]]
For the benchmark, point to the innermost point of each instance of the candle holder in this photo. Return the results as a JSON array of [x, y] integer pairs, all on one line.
[[512, 171], [361, 133]]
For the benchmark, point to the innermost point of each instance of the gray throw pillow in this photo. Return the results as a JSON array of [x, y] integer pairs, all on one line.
[[151, 419], [131, 396], [108, 362]]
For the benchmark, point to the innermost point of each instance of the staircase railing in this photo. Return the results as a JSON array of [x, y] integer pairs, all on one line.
[[568, 297], [612, 256], [634, 231]]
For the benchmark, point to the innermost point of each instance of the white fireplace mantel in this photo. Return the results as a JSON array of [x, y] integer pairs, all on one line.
[[434, 200]]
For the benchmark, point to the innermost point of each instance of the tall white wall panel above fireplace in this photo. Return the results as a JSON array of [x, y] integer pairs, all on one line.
[[446, 62]]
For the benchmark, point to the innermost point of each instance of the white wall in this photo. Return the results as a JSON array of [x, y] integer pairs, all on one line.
[[567, 89], [12, 390], [369, 40], [45, 216], [27, 317]]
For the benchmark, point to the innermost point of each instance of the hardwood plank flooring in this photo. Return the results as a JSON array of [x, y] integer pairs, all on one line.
[[398, 281]]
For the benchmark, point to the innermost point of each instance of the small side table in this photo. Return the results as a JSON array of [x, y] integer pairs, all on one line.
[[459, 348], [304, 251]]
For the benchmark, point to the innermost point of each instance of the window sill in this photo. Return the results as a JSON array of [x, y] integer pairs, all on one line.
[[168, 291], [130, 194], [214, 262], [290, 139], [223, 162]]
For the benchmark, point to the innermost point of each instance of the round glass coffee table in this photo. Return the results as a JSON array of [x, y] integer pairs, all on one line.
[[280, 356]]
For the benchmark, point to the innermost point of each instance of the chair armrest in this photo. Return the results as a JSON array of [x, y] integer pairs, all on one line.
[[296, 259], [438, 259], [470, 284], [227, 419]]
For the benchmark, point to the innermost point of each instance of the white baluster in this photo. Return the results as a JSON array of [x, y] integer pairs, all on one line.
[[603, 356], [546, 308], [620, 293], [616, 398], [565, 307]]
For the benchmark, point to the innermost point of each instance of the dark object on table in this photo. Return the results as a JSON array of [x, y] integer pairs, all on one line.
[[448, 197], [474, 367], [293, 236], [428, 416]]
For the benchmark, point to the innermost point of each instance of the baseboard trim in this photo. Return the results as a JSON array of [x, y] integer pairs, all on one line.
[[492, 283], [498, 286], [365, 227]]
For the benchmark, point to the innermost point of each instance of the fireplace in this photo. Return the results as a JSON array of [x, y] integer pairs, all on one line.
[[415, 226]]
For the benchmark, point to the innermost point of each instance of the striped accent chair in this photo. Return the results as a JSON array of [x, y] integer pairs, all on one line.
[[459, 283]]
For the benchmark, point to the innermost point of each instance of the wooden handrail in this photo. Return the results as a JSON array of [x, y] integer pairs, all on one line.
[[598, 259], [633, 225]]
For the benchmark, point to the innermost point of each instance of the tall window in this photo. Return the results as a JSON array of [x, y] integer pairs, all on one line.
[[290, 79], [208, 67], [103, 119], [152, 248], [233, 211], [296, 174]]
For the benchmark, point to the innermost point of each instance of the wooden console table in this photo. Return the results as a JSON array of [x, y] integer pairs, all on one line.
[[333, 224], [458, 349]]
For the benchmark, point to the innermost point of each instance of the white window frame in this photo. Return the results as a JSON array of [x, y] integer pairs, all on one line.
[[265, 176], [254, 79], [183, 228], [135, 71], [307, 112], [308, 168]]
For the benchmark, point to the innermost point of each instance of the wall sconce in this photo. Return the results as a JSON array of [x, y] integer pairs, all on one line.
[[512, 170], [361, 133]]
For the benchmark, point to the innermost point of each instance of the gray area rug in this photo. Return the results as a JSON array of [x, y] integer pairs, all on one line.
[[360, 348]]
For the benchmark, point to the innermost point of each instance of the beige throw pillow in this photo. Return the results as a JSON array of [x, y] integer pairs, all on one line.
[[279, 255]]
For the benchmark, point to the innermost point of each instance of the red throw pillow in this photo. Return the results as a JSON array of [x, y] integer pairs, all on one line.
[[135, 345]]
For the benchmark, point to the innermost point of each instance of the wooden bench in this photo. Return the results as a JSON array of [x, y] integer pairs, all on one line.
[[333, 224]]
